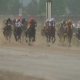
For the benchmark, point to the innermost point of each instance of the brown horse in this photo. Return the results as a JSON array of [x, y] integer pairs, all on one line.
[[24, 27], [30, 33], [69, 33], [7, 31], [50, 34], [78, 36]]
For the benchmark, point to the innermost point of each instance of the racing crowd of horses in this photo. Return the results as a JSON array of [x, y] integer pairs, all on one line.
[[22, 29], [30, 32]]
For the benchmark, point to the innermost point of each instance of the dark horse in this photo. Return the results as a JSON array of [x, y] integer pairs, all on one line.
[[49, 32], [31, 32], [17, 33], [69, 33], [24, 27], [78, 36], [7, 31]]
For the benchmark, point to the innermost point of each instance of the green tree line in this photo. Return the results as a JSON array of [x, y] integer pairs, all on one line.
[[9, 7], [59, 7]]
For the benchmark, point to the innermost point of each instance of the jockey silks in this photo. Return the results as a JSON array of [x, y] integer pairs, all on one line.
[[18, 24]]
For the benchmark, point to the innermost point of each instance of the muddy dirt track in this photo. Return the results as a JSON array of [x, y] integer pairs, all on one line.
[[40, 61]]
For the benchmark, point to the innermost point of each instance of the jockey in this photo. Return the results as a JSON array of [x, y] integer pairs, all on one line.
[[32, 24], [78, 28], [46, 25], [69, 23], [18, 26], [63, 22], [8, 21], [52, 22], [18, 22]]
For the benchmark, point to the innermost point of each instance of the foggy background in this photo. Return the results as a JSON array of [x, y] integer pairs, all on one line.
[[37, 8]]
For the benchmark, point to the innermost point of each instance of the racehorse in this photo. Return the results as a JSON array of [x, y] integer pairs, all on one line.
[[78, 36], [17, 33], [24, 27], [49, 33], [7, 31], [30, 33], [61, 33], [69, 33]]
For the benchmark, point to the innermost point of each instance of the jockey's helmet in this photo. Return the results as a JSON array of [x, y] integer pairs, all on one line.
[[32, 19], [69, 21], [52, 19], [8, 18], [18, 19]]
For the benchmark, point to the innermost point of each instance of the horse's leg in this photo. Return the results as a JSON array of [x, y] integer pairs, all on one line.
[[59, 37], [9, 37], [22, 36], [69, 40], [26, 39], [19, 35], [29, 38], [52, 40], [64, 38], [26, 36], [33, 37], [47, 37], [15, 36], [4, 33]]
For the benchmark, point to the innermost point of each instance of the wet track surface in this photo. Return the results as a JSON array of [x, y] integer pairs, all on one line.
[[40, 62], [55, 65]]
